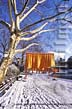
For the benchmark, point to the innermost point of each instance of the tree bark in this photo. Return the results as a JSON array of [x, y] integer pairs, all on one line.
[[8, 60]]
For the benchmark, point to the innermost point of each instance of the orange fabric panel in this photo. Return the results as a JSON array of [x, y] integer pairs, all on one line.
[[28, 63], [46, 62], [34, 61], [52, 60], [42, 65], [39, 61]]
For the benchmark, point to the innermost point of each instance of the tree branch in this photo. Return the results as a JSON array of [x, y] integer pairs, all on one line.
[[23, 9], [40, 13], [26, 14], [47, 18], [10, 10], [34, 31], [5, 24], [67, 20], [35, 35], [14, 6], [22, 50]]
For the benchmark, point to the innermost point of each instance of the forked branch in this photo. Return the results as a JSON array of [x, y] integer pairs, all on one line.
[[22, 50], [37, 34], [33, 7], [5, 24], [34, 31], [14, 6], [23, 9]]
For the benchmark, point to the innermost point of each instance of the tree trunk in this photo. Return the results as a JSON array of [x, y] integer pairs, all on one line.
[[8, 60], [3, 68]]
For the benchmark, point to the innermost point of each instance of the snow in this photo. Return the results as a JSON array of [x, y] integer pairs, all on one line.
[[38, 92]]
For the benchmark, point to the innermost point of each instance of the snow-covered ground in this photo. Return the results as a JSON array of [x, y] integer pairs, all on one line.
[[38, 92]]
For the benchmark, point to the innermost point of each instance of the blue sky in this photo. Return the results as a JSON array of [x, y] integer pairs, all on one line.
[[46, 9]]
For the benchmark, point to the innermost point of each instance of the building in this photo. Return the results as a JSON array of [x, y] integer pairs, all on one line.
[[62, 37]]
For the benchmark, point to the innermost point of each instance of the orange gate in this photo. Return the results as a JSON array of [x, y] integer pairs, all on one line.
[[40, 62]]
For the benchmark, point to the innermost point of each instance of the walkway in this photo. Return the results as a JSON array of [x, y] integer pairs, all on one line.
[[38, 92]]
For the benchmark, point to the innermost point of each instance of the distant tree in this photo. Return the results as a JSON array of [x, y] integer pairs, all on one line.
[[18, 34], [4, 43]]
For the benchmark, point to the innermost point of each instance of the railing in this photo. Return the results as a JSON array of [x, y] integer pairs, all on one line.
[[6, 86]]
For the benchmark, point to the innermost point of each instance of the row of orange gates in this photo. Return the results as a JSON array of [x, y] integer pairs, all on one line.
[[44, 62]]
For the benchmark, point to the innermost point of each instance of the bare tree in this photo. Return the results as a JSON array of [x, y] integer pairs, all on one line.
[[19, 34], [4, 43]]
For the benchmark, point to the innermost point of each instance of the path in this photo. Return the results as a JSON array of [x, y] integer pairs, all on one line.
[[38, 92]]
